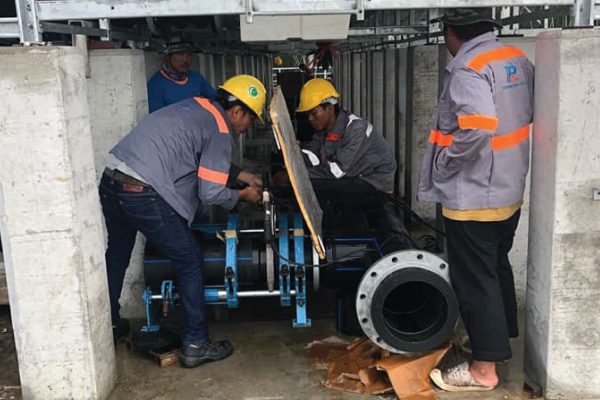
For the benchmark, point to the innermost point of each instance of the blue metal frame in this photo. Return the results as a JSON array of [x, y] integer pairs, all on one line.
[[284, 282], [147, 298], [231, 282], [301, 321]]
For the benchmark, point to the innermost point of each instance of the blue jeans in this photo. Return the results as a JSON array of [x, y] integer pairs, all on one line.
[[126, 212]]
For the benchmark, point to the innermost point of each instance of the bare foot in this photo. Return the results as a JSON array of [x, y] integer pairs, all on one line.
[[484, 372]]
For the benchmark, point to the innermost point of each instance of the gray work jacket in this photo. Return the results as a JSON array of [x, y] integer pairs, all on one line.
[[478, 151], [353, 149], [184, 152]]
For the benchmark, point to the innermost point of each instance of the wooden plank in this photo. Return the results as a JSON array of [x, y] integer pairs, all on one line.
[[166, 358], [294, 163]]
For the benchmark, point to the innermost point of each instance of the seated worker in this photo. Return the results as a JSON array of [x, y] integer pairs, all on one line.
[[350, 166], [344, 148], [175, 81], [156, 177]]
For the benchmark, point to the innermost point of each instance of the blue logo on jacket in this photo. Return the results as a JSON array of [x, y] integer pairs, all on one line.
[[512, 79]]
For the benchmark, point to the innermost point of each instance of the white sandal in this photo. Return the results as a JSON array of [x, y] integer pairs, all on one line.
[[458, 379]]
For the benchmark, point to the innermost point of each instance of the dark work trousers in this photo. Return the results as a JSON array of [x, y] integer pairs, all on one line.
[[482, 278], [128, 209]]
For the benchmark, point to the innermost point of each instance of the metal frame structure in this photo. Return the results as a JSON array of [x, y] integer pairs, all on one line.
[[33, 16]]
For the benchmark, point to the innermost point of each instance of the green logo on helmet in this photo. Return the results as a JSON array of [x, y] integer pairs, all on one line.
[[253, 91]]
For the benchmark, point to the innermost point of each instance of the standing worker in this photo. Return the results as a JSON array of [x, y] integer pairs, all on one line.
[[175, 81], [475, 166], [157, 176]]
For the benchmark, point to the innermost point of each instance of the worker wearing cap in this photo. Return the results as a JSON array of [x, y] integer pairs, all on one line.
[[157, 175], [475, 166], [344, 147], [175, 81]]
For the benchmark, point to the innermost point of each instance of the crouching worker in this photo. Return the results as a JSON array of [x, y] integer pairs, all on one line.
[[345, 150], [350, 165], [174, 159]]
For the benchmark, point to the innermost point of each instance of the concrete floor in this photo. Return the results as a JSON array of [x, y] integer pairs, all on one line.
[[268, 364]]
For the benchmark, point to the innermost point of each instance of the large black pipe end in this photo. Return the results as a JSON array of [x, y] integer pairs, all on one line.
[[405, 302]]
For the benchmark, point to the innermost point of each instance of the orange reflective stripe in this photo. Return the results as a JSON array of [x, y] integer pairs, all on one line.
[[183, 82], [213, 176], [484, 122], [502, 53], [510, 139], [223, 128], [439, 139]]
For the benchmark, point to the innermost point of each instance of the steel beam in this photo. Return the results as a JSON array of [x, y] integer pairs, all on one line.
[[53, 10], [9, 28], [584, 11], [29, 27]]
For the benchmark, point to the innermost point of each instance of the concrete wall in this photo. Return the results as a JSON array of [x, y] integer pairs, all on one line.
[[118, 100], [562, 341], [51, 227]]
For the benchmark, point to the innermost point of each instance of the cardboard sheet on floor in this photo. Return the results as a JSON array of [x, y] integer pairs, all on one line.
[[294, 163], [362, 367]]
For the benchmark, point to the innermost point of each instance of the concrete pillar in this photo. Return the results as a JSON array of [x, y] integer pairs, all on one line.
[[562, 338], [51, 227], [518, 254], [428, 63], [118, 100]]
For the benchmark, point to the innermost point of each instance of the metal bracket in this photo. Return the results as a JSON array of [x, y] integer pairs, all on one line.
[[249, 11], [104, 23], [360, 10], [29, 25], [231, 282], [284, 267], [301, 321], [147, 298], [584, 11]]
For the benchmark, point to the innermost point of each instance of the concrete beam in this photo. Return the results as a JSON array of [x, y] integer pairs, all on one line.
[[562, 341], [51, 227]]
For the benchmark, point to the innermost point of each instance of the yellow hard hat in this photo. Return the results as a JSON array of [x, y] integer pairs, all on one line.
[[315, 92], [249, 91]]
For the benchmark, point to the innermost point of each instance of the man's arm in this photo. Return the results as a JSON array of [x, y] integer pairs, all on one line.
[[346, 155], [213, 172], [473, 104]]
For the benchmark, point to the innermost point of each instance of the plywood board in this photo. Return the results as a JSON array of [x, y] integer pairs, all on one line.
[[294, 163]]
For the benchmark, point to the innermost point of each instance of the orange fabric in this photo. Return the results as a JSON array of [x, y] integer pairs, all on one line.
[[484, 122], [183, 82], [510, 139], [437, 138], [213, 176], [502, 53], [208, 106]]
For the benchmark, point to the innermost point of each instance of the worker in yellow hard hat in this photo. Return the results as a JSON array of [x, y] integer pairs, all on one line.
[[344, 145], [174, 160]]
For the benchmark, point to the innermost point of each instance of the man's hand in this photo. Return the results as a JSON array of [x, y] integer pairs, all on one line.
[[251, 194], [251, 179]]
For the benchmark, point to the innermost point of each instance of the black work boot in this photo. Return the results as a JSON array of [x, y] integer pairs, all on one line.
[[120, 328], [193, 355]]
